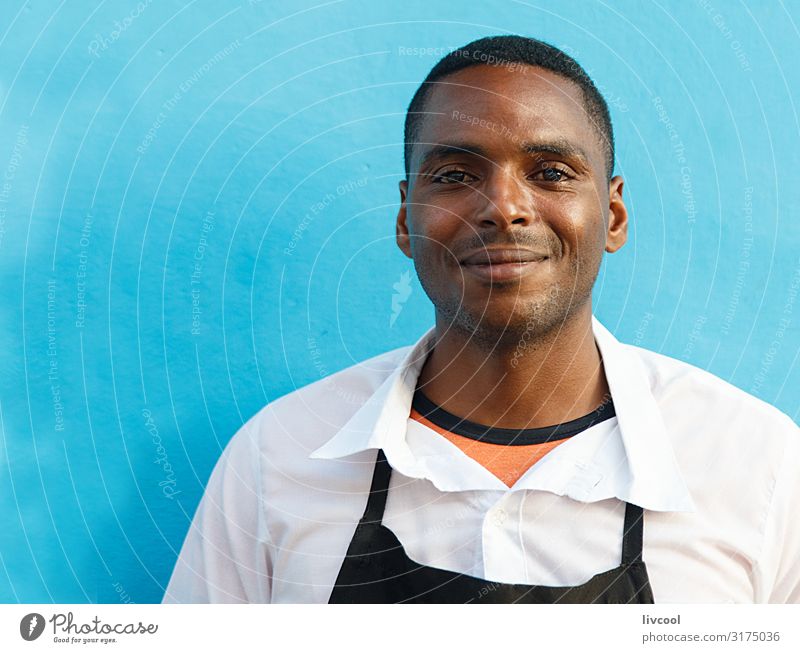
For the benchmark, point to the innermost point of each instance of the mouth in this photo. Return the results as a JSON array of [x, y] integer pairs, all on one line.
[[503, 265]]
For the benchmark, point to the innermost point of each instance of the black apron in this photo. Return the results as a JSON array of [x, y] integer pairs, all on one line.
[[376, 569]]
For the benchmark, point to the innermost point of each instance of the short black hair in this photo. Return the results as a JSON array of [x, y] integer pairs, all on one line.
[[512, 50]]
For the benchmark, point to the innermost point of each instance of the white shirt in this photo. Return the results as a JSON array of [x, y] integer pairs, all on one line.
[[717, 471]]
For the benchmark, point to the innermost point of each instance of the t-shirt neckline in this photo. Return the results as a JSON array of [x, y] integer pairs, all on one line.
[[496, 435]]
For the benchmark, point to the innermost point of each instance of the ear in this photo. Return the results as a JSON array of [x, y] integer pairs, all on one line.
[[617, 231], [403, 239]]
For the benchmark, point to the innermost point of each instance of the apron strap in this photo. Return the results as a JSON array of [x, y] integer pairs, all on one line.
[[633, 534], [376, 503]]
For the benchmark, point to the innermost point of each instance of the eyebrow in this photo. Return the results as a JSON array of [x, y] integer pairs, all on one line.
[[558, 147], [442, 150]]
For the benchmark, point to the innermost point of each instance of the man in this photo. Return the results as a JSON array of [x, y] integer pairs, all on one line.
[[517, 452]]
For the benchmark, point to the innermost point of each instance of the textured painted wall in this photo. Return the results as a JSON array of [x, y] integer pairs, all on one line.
[[197, 207]]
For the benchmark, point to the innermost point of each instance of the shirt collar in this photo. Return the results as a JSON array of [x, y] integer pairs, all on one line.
[[381, 422], [654, 479], [634, 463]]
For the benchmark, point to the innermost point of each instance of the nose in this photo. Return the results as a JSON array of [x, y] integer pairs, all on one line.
[[506, 201]]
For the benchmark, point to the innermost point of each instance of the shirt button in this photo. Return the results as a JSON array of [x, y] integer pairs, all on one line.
[[500, 517]]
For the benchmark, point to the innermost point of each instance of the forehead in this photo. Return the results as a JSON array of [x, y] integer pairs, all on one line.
[[507, 103]]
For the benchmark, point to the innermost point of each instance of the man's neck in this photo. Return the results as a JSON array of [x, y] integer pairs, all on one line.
[[554, 379]]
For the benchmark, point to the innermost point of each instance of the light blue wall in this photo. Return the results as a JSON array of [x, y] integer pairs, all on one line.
[[163, 159]]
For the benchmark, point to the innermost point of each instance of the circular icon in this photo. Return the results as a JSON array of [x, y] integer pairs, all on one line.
[[31, 626]]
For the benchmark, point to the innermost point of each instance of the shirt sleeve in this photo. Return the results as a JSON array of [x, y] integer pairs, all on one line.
[[781, 556], [225, 557]]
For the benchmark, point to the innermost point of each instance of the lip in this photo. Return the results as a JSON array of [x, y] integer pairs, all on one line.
[[497, 265], [503, 271], [501, 255]]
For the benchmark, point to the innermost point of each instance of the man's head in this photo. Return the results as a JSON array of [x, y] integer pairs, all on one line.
[[509, 145]]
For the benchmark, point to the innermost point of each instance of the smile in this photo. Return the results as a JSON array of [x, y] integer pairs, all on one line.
[[497, 272]]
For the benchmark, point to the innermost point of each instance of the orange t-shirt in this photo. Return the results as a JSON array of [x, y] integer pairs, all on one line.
[[507, 461]]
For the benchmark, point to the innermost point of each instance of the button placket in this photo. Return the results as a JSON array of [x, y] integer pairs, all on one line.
[[501, 553]]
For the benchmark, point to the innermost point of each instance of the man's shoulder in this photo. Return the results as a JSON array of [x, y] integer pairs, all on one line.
[[310, 415], [706, 396], [352, 385]]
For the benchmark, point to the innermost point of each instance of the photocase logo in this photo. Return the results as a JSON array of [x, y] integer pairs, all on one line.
[[402, 293], [31, 626]]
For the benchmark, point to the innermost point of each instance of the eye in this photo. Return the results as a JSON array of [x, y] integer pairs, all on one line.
[[553, 173], [452, 176]]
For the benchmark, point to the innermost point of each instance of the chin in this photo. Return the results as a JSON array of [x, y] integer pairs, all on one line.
[[509, 327]]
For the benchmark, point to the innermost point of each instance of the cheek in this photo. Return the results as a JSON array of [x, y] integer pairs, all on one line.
[[432, 256], [581, 229], [433, 234]]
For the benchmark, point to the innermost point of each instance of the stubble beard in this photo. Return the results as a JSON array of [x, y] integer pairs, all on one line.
[[530, 327]]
